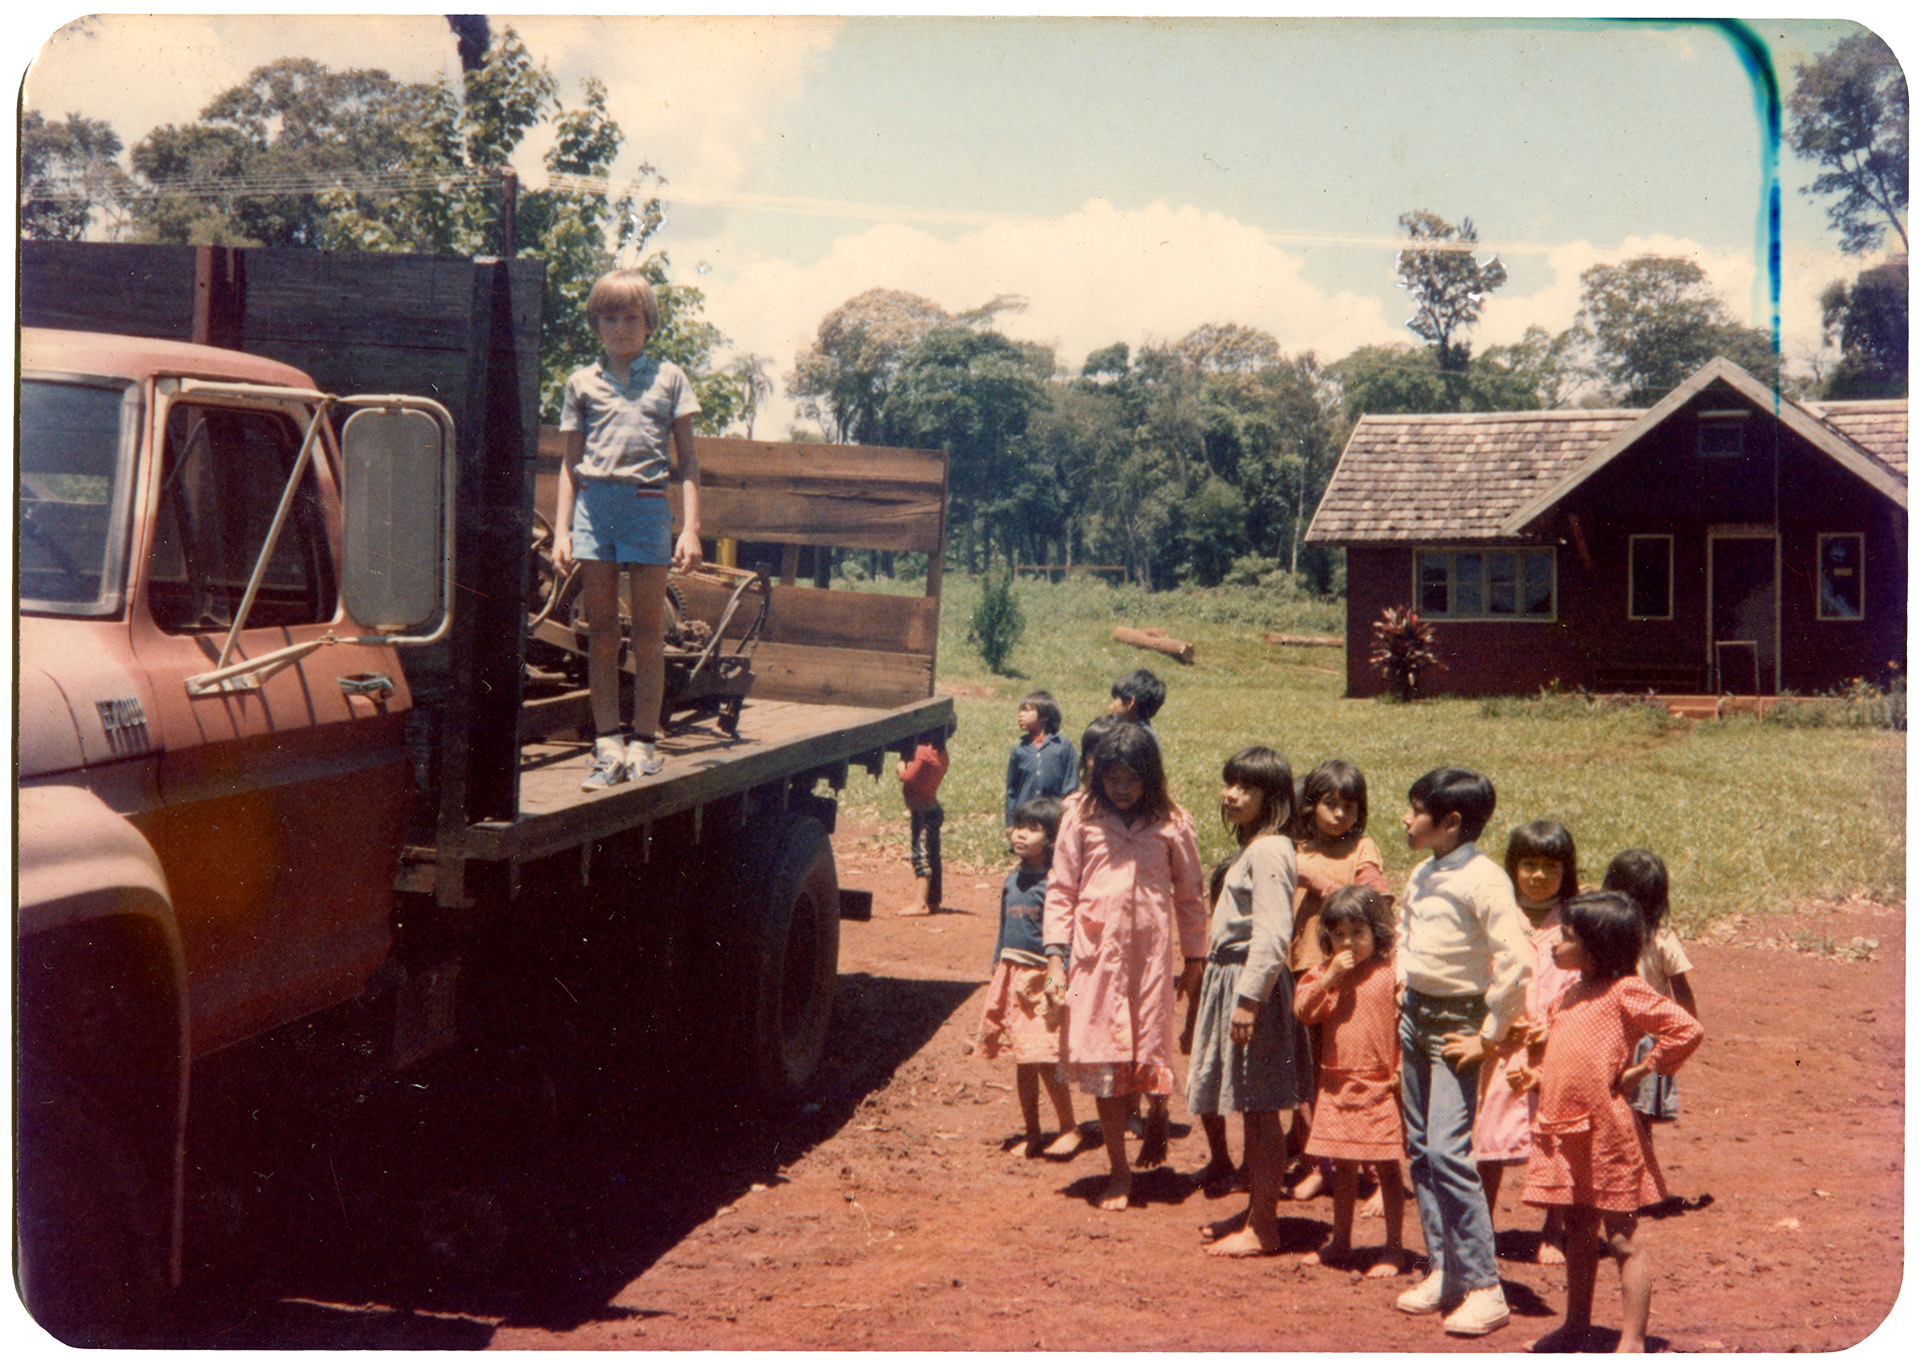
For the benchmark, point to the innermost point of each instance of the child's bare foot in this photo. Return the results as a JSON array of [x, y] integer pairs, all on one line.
[[1034, 1148], [917, 910], [1563, 1340], [1216, 1177], [1245, 1242], [1226, 1227], [1153, 1143], [1371, 1206], [1387, 1263], [1333, 1255], [1119, 1191], [1312, 1185], [1549, 1253], [1064, 1145]]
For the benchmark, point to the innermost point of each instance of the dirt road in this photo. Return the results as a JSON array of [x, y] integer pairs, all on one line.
[[538, 1201]]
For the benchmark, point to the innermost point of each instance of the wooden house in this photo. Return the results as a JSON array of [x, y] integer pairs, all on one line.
[[1724, 540]]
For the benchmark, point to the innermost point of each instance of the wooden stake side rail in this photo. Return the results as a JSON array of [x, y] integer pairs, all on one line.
[[778, 741]]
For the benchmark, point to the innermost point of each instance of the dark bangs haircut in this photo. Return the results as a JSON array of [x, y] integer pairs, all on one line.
[[1040, 812], [1640, 876], [1357, 904], [1260, 767], [1608, 927], [1146, 692], [1335, 777], [1046, 706], [1455, 791], [1133, 747], [1546, 839]]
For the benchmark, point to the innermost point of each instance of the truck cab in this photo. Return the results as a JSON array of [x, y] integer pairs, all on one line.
[[209, 816]]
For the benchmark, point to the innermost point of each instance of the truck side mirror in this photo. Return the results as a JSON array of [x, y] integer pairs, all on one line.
[[396, 486]]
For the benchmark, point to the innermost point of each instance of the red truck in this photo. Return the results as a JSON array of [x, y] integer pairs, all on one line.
[[252, 798]]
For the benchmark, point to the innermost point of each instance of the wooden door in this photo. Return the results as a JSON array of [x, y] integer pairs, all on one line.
[[1743, 613]]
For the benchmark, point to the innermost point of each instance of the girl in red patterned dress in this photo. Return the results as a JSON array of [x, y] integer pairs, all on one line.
[[1590, 1156], [1356, 1112]]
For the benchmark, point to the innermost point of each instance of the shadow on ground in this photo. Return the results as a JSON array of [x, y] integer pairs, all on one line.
[[525, 1185]]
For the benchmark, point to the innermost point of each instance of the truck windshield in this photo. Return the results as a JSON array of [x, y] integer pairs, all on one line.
[[73, 471]]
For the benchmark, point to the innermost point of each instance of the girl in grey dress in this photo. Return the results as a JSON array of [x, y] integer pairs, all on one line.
[[1243, 1049]]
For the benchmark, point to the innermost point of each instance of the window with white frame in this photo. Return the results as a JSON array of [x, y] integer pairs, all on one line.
[[1843, 588], [1486, 585], [1650, 578]]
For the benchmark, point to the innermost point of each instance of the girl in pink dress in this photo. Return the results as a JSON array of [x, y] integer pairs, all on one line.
[[1545, 871], [1126, 874], [1590, 1155], [1357, 1107]]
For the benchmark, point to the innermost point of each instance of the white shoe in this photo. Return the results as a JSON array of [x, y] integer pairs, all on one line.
[[1423, 1297], [643, 760], [1483, 1310], [609, 765]]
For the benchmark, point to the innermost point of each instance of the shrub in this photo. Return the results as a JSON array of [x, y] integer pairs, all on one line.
[[1403, 650], [997, 622]]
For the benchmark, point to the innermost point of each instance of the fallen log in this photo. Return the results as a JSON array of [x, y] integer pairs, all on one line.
[[1310, 641], [1156, 640]]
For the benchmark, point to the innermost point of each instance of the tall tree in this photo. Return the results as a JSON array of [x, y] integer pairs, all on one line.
[[844, 377], [1653, 320], [1869, 322], [1448, 285], [749, 372], [1848, 115], [68, 170]]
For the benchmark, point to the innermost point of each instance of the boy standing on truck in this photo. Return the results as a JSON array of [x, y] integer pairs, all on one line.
[[612, 512]]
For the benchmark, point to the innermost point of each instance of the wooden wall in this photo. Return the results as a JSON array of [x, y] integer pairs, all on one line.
[[821, 645]]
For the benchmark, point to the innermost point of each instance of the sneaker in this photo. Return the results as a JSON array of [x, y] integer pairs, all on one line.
[[1479, 1313], [606, 773], [643, 760], [1423, 1297]]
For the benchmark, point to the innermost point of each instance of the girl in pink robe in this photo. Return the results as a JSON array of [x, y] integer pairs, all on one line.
[[1125, 877]]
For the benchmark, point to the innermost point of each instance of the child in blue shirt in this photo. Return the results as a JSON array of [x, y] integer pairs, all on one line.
[[1041, 763], [612, 512]]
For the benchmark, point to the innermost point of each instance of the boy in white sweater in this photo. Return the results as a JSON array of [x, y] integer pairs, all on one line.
[[1464, 961]]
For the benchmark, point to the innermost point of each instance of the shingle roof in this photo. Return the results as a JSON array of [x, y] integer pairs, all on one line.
[[1485, 476], [1877, 425], [1409, 477]]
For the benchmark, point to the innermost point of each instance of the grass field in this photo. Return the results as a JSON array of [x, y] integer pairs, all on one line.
[[1750, 816]]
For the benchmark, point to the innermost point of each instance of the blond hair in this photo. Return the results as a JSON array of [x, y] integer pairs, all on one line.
[[623, 289]]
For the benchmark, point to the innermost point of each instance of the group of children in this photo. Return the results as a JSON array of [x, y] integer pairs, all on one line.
[[1494, 1017]]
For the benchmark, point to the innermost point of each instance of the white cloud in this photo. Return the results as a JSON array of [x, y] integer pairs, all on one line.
[[1093, 277]]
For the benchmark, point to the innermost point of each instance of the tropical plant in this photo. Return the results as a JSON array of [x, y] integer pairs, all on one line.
[[1403, 651], [997, 623]]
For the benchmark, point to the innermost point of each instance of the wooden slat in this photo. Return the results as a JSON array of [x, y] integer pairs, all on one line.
[[94, 287], [837, 619], [846, 677], [729, 460]]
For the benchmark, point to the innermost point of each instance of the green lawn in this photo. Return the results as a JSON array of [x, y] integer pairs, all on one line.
[[1750, 816]]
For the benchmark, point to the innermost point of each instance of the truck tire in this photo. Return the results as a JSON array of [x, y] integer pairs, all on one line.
[[778, 938], [91, 1259]]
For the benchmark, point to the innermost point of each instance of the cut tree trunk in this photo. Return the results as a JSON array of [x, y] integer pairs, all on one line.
[[1157, 640]]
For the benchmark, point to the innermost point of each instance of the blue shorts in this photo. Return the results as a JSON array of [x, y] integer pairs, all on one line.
[[620, 523]]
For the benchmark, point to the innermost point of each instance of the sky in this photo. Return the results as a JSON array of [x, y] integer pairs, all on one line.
[[1129, 178]]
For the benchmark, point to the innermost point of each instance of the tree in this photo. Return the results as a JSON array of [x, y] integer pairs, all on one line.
[[844, 378], [1869, 321], [750, 373], [1653, 320], [1848, 115], [1449, 287], [67, 170]]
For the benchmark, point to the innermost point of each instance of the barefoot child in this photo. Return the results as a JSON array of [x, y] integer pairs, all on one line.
[[1244, 1034], [1357, 1104], [1126, 876], [1465, 962], [1545, 871], [1590, 1155], [1330, 833], [1641, 877], [1022, 1016], [920, 787]]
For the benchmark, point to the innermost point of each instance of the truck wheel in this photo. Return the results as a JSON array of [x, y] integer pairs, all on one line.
[[92, 1269], [779, 940]]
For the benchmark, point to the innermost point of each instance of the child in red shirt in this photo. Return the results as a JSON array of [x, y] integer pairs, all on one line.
[[920, 785]]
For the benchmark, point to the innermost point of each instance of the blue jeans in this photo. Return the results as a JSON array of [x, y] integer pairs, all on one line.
[[925, 845], [1439, 1104]]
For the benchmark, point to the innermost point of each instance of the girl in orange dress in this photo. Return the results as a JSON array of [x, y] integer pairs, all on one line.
[[1357, 1107], [1590, 1155]]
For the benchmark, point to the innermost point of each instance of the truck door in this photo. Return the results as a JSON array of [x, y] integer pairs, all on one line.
[[283, 798]]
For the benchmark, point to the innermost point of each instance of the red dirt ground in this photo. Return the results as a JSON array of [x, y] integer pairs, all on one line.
[[520, 1203]]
